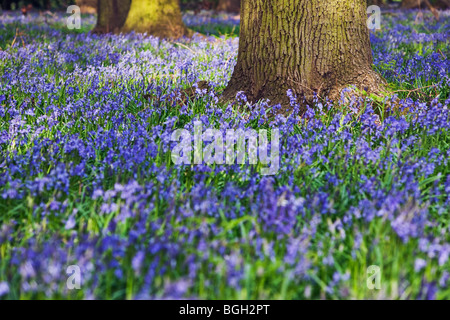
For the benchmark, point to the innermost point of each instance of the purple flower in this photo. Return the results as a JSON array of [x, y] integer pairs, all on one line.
[[4, 288], [419, 264]]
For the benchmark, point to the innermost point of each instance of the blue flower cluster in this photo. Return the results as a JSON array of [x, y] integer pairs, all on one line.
[[86, 176]]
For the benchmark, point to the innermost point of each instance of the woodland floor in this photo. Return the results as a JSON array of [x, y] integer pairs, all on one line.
[[86, 176]]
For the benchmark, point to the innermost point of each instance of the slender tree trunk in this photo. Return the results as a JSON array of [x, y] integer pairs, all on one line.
[[161, 18], [308, 46], [233, 6], [111, 15]]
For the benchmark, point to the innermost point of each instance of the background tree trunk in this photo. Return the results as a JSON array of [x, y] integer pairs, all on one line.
[[411, 4], [233, 6], [375, 2], [305, 45], [111, 15], [161, 18]]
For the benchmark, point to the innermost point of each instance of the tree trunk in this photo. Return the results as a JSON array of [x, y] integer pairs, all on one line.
[[111, 15], [161, 18], [233, 6], [308, 46], [375, 2]]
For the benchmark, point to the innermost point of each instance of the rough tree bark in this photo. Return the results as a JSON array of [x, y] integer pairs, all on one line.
[[161, 18], [308, 46], [111, 15], [233, 6]]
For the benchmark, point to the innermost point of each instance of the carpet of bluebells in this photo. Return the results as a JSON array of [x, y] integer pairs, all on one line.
[[86, 176]]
